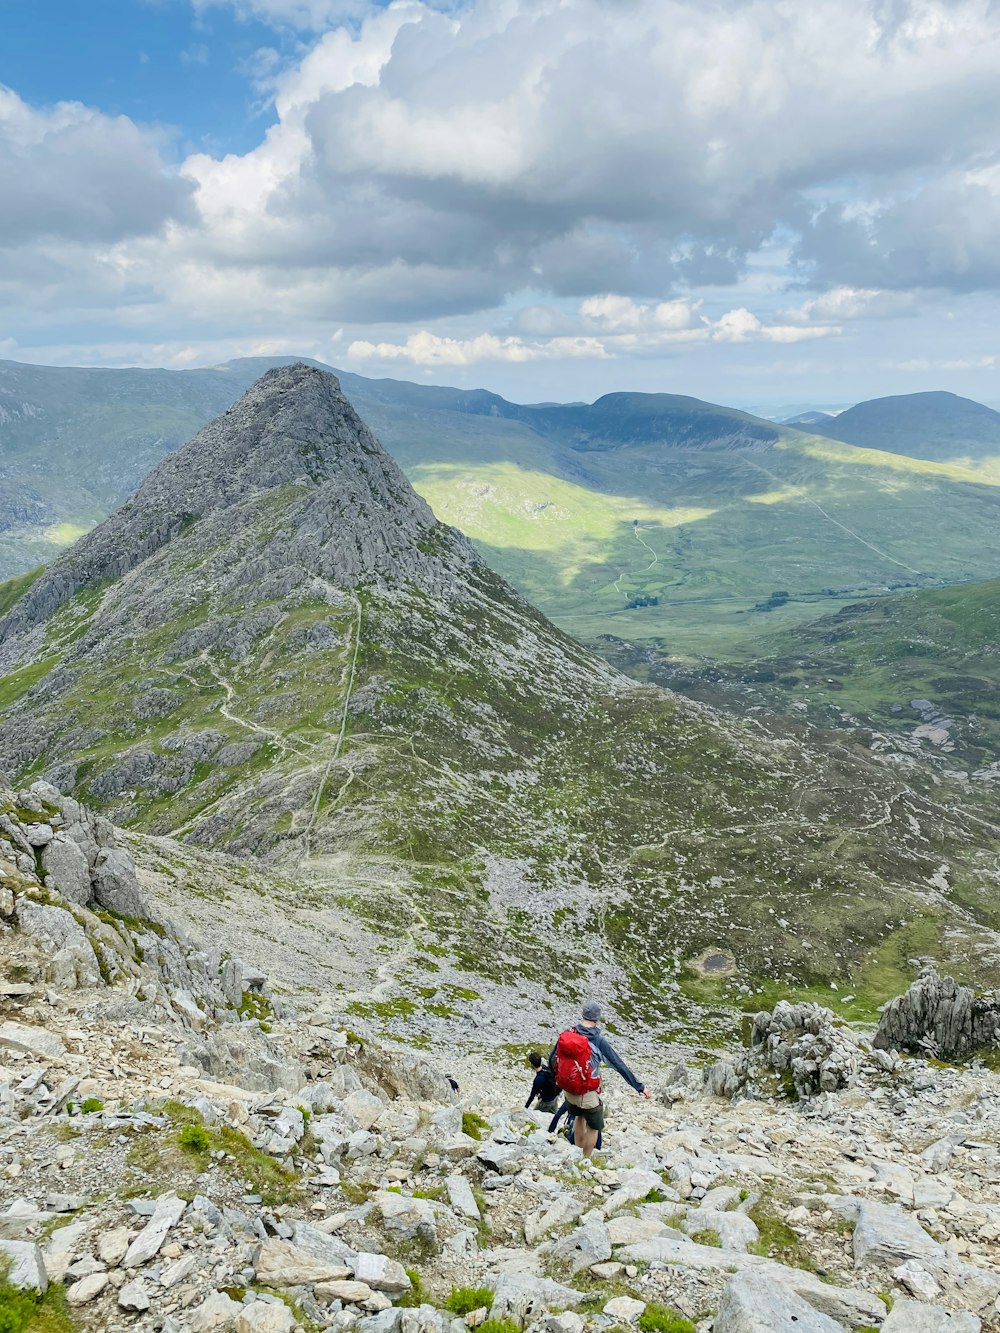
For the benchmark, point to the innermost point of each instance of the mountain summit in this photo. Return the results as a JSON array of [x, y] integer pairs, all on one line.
[[935, 425], [293, 434], [274, 650]]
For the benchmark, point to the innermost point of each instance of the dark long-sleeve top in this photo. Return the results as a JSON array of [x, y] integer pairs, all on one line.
[[543, 1087]]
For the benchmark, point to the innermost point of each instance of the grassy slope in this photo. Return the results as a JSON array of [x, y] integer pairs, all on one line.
[[713, 534], [481, 742], [935, 644]]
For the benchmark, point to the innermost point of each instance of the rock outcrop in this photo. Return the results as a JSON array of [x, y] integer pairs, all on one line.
[[938, 1016], [799, 1049], [293, 428], [78, 920]]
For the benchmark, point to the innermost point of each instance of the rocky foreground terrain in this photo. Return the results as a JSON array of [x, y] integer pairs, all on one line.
[[179, 1151]]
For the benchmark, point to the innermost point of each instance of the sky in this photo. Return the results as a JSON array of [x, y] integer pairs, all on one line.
[[757, 202]]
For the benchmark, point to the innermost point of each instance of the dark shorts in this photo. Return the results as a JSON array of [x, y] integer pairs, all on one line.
[[548, 1107], [593, 1116]]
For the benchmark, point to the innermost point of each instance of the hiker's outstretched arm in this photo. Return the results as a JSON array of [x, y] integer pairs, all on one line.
[[617, 1063]]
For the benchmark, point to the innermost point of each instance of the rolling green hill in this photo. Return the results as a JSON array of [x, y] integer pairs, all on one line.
[[921, 669], [938, 646], [934, 425], [647, 516]]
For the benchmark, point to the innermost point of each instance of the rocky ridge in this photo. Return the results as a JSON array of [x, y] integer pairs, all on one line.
[[357, 1192], [273, 650]]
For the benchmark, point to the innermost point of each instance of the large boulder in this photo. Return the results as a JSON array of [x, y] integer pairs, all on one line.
[[67, 871], [582, 1248], [917, 1317], [116, 885], [25, 1039], [70, 960], [401, 1074], [25, 1266], [524, 1297], [938, 1016], [885, 1235]]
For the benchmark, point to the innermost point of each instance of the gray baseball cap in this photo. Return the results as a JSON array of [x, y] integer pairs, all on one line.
[[591, 1011]]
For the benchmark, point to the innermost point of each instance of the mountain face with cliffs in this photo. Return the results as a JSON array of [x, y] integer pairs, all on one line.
[[274, 651]]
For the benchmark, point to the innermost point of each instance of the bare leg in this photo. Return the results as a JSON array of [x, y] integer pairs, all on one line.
[[584, 1137]]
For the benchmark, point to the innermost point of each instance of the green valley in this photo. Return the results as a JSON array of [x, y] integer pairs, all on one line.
[[650, 517]]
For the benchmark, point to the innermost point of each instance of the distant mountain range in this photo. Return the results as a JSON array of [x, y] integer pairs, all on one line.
[[274, 650], [648, 516], [813, 418]]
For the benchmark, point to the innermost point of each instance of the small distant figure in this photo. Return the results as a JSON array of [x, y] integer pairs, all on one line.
[[454, 1082], [544, 1089], [576, 1063]]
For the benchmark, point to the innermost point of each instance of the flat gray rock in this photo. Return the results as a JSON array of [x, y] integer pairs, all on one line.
[[886, 1235], [752, 1303], [916, 1317], [582, 1248], [523, 1297], [166, 1215], [461, 1197], [381, 1273], [27, 1267], [852, 1306], [39, 1042], [686, 1254]]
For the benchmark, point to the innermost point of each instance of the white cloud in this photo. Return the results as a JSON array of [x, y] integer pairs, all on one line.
[[615, 326], [617, 162], [70, 172], [741, 326], [846, 303], [576, 147], [622, 314], [429, 349], [944, 363]]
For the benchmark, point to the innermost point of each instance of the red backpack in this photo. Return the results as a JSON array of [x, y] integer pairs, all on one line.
[[573, 1064]]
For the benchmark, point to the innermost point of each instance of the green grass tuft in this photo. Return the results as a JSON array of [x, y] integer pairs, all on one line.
[[474, 1125], [30, 1312], [708, 1236], [463, 1300], [195, 1139], [778, 1240], [658, 1318]]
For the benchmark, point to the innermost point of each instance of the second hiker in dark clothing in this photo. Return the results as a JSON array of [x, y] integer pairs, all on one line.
[[543, 1089]]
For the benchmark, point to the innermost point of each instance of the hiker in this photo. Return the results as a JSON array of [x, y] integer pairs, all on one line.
[[544, 1087], [576, 1062]]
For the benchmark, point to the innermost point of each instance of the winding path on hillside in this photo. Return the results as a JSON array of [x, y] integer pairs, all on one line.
[[642, 541], [338, 747], [884, 555]]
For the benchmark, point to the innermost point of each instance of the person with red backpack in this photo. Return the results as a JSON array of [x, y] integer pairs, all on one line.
[[576, 1062]]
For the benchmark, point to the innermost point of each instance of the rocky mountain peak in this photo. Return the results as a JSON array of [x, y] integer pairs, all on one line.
[[294, 433]]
